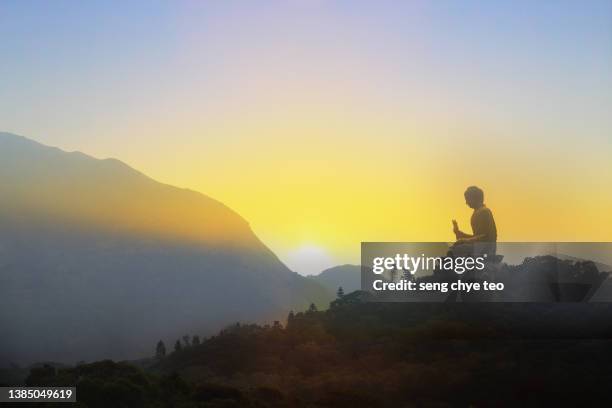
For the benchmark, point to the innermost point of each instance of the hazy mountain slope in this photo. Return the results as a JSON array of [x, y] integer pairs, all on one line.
[[98, 260], [347, 276]]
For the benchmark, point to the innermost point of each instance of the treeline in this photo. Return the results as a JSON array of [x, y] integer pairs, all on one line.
[[183, 342], [187, 341], [363, 354]]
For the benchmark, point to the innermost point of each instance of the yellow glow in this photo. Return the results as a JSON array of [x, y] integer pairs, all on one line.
[[331, 123], [330, 179]]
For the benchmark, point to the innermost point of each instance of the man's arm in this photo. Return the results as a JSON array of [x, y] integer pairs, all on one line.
[[471, 238], [483, 223], [460, 235]]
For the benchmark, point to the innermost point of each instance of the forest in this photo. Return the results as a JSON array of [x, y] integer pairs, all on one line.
[[366, 354]]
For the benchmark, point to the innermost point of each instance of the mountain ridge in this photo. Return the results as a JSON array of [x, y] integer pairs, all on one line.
[[61, 168], [102, 257], [348, 276]]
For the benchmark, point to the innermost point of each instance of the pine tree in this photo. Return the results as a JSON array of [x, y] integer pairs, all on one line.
[[160, 350], [312, 308], [290, 319], [186, 340], [195, 340], [178, 346], [340, 293]]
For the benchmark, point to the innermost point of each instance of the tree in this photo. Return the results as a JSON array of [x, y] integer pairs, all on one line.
[[340, 293], [290, 319], [160, 350], [178, 346], [195, 340], [312, 308], [186, 340], [40, 376]]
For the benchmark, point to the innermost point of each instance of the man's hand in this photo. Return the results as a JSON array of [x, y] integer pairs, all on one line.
[[455, 227]]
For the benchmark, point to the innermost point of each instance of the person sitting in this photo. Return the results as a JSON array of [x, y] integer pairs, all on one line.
[[483, 239]]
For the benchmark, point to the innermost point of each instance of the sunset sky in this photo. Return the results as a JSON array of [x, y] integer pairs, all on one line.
[[327, 123]]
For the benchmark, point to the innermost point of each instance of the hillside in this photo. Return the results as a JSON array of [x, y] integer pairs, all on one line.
[[96, 259], [347, 276], [435, 355]]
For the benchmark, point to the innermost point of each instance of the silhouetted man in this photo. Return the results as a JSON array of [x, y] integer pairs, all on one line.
[[483, 239]]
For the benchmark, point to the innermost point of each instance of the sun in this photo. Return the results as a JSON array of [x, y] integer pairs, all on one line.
[[309, 259]]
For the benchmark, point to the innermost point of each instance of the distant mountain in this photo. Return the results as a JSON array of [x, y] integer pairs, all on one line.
[[99, 261], [347, 276]]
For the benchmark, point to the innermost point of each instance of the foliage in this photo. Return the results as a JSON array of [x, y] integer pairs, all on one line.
[[365, 354]]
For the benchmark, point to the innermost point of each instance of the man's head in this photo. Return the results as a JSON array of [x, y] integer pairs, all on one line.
[[474, 197]]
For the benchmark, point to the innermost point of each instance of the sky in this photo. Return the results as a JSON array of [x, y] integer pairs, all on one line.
[[328, 123]]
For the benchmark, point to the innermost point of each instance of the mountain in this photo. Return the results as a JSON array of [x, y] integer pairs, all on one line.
[[347, 276], [98, 260]]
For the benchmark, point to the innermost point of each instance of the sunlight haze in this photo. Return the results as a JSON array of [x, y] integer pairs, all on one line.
[[325, 124]]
